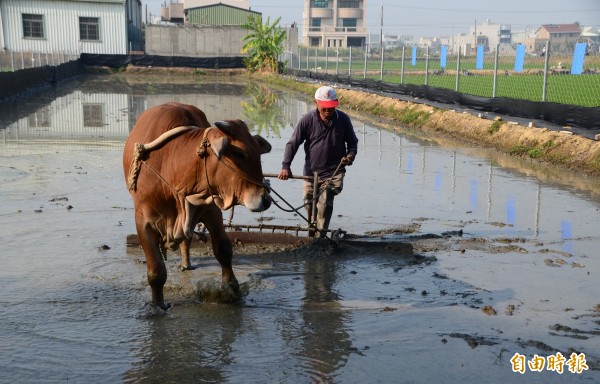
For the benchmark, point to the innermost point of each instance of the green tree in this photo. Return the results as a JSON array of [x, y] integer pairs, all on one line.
[[263, 44]]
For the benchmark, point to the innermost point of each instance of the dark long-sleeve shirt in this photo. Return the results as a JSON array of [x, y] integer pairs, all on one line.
[[324, 144]]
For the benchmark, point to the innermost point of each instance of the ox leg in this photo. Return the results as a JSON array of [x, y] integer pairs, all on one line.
[[155, 265], [213, 220], [184, 248]]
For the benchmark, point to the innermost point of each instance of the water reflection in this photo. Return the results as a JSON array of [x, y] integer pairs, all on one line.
[[96, 112], [395, 180], [100, 112], [326, 342], [264, 110], [196, 342]]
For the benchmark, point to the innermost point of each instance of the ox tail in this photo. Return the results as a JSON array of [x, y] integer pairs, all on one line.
[[141, 150], [136, 163]]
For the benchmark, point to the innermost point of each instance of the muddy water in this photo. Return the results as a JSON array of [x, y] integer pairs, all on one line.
[[505, 262]]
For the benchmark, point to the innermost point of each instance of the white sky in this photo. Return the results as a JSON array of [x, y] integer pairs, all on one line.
[[431, 18]]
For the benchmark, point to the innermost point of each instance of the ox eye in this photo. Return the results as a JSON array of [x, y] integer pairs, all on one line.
[[238, 154]]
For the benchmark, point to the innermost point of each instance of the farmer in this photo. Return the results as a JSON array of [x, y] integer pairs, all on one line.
[[330, 145]]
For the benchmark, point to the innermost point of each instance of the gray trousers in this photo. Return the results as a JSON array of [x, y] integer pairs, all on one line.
[[327, 191]]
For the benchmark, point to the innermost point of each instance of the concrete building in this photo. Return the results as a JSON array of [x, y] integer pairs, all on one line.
[[432, 43], [75, 26], [490, 35], [395, 41], [334, 23]]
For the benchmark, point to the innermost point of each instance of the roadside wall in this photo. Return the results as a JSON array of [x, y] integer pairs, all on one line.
[[194, 40]]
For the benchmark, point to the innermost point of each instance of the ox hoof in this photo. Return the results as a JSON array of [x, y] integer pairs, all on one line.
[[232, 286], [163, 306]]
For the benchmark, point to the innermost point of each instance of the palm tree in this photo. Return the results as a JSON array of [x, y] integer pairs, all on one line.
[[263, 44]]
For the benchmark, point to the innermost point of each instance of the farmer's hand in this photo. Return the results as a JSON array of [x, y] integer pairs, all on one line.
[[284, 174], [348, 160]]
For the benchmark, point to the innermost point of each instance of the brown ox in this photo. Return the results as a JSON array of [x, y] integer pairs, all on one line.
[[180, 171]]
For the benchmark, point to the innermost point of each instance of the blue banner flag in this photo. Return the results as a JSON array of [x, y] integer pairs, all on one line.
[[519, 58], [479, 61], [443, 53], [578, 58], [414, 56]]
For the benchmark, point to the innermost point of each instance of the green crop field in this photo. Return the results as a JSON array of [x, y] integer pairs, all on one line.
[[581, 90], [561, 86]]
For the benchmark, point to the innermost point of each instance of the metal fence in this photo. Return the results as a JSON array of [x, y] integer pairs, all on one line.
[[567, 78], [13, 61]]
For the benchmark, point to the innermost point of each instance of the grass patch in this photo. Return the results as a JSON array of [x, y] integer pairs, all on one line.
[[548, 144], [410, 116], [535, 153], [495, 127], [518, 150]]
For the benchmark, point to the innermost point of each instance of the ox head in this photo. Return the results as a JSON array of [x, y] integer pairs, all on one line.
[[238, 174]]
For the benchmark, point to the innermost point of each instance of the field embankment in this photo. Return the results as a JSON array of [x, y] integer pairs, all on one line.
[[558, 148]]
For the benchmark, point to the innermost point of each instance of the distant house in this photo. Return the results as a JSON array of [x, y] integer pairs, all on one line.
[[562, 37], [74, 26]]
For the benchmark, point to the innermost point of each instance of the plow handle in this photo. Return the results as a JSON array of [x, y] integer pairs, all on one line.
[[275, 175]]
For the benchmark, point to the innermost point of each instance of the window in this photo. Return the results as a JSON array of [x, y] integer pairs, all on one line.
[[354, 42], [321, 4], [349, 3], [93, 115], [33, 26], [89, 28], [315, 24], [349, 24]]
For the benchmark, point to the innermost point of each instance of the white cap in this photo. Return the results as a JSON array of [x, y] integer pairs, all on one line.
[[326, 97]]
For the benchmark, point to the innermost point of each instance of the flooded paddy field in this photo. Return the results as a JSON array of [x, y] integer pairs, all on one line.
[[503, 273]]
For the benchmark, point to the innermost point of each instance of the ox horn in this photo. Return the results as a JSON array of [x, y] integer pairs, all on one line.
[[224, 126]]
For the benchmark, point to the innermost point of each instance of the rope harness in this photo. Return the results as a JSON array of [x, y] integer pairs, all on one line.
[[141, 152]]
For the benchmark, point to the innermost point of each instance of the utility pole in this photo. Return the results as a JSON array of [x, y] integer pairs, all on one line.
[[381, 31], [475, 46]]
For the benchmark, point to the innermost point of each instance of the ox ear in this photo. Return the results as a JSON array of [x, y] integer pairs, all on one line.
[[224, 126], [219, 145], [265, 146]]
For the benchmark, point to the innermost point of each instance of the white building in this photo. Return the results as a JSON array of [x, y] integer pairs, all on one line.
[[488, 34], [334, 23], [81, 26]]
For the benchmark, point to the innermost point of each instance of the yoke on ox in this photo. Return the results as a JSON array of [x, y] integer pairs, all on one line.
[[181, 171]]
